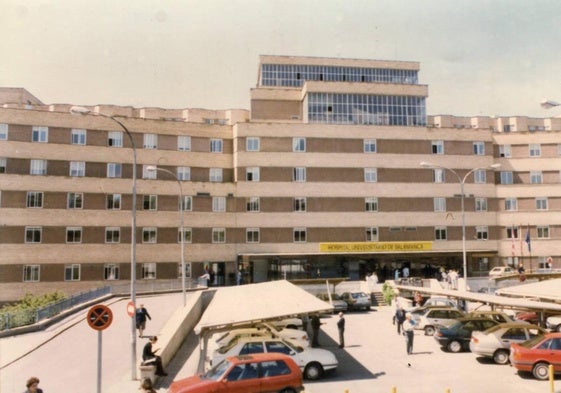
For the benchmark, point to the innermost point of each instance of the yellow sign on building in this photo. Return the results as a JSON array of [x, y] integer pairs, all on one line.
[[376, 247]]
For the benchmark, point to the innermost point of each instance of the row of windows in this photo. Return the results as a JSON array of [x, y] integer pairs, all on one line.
[[72, 272], [534, 150]]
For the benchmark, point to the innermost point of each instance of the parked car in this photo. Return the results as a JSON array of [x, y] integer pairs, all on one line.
[[495, 342], [312, 361], [336, 301], [536, 354], [429, 318], [528, 316], [259, 373], [357, 300], [440, 302], [456, 337], [554, 323], [290, 323], [295, 336], [501, 271], [498, 316]]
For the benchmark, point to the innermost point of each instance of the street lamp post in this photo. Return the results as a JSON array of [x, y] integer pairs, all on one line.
[[462, 197], [152, 168], [79, 110]]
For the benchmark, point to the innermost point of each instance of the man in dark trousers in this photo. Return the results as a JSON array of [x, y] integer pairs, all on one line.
[[149, 356], [341, 329], [315, 330], [140, 315]]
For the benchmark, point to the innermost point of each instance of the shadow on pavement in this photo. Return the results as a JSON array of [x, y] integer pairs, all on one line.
[[189, 346]]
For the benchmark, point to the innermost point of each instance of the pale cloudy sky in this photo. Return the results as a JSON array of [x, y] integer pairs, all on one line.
[[478, 57]]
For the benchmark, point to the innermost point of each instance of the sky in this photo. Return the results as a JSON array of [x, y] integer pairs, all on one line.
[[478, 57]]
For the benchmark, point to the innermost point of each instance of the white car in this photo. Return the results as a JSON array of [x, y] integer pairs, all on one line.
[[312, 361], [429, 318], [500, 271], [295, 336], [554, 323]]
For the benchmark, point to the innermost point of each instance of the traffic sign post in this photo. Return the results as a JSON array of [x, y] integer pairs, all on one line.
[[99, 318]]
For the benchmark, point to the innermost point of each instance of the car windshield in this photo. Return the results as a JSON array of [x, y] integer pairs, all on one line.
[[532, 342], [217, 371]]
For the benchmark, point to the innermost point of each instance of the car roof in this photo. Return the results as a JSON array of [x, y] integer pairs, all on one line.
[[468, 318], [258, 357], [509, 325]]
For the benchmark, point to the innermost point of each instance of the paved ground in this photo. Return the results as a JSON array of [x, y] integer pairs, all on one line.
[[65, 356]]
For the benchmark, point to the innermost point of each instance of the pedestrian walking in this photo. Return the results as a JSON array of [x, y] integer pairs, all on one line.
[[399, 318], [146, 386], [32, 386], [149, 356], [341, 329], [315, 322], [408, 326], [140, 315]]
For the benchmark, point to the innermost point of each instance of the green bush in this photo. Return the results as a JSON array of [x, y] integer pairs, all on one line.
[[388, 293], [32, 302]]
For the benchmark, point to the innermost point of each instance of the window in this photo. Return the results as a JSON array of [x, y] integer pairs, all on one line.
[[187, 235], [480, 204], [184, 173], [186, 204], [150, 141], [479, 148], [150, 202], [506, 177], [370, 145], [437, 147], [370, 175], [2, 165], [252, 174], [73, 235], [511, 204], [480, 176], [75, 200], [371, 204], [300, 204], [438, 175], [38, 167], [40, 134], [252, 144], [542, 232], [3, 132], [215, 174], [371, 234], [252, 204], [482, 232], [114, 169], [440, 233], [33, 234], [299, 235], [34, 199], [218, 204], [535, 150], [72, 272], [77, 168], [146, 174], [149, 235], [299, 174], [299, 144], [115, 139], [505, 151], [536, 177], [184, 143], [148, 271], [541, 203], [113, 201], [512, 232], [30, 273], [216, 145], [252, 235], [111, 272], [78, 136], [218, 235], [112, 235], [439, 204]]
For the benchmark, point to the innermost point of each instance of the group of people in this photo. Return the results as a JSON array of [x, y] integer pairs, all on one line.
[[316, 323]]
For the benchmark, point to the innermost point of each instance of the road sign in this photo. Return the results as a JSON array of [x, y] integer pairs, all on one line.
[[131, 309], [99, 317]]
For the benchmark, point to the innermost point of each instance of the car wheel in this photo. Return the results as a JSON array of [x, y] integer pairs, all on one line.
[[455, 346], [558, 328], [429, 330], [501, 356], [313, 371], [291, 327], [541, 371], [288, 390]]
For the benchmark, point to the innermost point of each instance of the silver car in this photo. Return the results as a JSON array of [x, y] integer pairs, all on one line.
[[357, 300]]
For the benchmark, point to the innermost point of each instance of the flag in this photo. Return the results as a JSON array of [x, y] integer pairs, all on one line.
[[513, 244], [521, 240], [528, 239]]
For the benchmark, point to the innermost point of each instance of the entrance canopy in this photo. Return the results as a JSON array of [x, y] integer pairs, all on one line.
[[246, 304]]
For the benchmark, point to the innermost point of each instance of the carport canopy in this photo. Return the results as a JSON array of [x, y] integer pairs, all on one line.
[[244, 305]]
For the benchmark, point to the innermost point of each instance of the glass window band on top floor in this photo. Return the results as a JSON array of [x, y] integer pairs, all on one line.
[[366, 109], [294, 75]]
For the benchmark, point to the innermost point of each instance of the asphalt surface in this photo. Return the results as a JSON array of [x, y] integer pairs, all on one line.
[[64, 358]]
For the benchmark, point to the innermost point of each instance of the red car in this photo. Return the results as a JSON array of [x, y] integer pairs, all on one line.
[[255, 373], [536, 354]]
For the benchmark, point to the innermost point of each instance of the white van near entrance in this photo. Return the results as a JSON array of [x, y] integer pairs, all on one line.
[[501, 271]]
